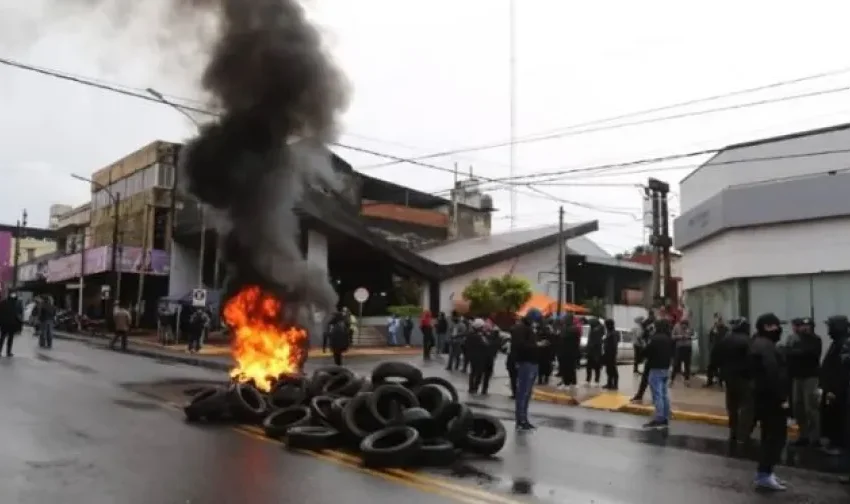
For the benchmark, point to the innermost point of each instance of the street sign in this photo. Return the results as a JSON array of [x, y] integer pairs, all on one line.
[[199, 298], [361, 295]]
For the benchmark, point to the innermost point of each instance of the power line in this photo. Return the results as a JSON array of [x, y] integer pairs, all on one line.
[[581, 131]]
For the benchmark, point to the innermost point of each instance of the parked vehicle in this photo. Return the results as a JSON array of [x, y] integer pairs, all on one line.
[[625, 350]]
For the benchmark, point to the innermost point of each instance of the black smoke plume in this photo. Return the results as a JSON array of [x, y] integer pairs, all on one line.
[[280, 97]]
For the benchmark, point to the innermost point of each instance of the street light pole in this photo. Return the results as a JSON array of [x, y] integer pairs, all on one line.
[[19, 227], [203, 246]]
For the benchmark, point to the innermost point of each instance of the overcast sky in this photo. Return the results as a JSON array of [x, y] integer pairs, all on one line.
[[433, 75]]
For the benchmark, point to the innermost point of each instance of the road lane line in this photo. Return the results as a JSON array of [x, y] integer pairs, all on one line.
[[420, 477], [324, 456]]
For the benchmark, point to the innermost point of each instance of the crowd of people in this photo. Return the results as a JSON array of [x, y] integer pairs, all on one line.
[[766, 380]]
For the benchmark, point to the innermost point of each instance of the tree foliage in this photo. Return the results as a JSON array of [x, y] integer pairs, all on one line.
[[596, 307], [505, 294]]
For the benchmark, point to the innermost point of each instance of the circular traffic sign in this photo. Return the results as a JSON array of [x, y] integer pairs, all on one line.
[[361, 295]]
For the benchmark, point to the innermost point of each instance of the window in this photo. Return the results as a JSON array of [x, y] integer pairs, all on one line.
[[30, 253], [165, 176]]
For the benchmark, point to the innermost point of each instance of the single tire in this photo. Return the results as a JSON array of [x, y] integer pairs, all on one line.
[[311, 437], [247, 403], [337, 409], [486, 435], [419, 419], [321, 407], [209, 403], [400, 373], [458, 423], [357, 418], [317, 382], [388, 401], [434, 399], [442, 383], [437, 452], [391, 447], [287, 395], [342, 385], [279, 422]]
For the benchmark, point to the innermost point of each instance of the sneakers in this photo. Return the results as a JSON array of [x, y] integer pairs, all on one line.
[[656, 424], [525, 427], [769, 482]]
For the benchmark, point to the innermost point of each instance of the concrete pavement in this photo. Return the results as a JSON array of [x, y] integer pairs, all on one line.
[[77, 432]]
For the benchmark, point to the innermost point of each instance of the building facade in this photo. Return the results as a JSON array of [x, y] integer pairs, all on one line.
[[763, 227]]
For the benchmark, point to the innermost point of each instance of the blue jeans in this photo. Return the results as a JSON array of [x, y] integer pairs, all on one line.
[[526, 376], [660, 393], [45, 334]]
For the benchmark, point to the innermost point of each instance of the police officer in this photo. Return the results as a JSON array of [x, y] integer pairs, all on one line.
[[730, 355], [769, 374]]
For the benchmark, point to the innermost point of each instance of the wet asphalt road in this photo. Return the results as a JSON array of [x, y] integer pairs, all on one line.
[[76, 433]]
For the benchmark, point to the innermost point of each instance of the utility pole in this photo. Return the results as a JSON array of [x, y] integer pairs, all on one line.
[[513, 107], [561, 260], [20, 225], [660, 241], [116, 267]]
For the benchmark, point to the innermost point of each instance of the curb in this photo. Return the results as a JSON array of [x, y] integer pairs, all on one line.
[[144, 352]]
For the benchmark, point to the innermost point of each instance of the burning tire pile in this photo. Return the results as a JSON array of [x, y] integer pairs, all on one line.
[[397, 418]]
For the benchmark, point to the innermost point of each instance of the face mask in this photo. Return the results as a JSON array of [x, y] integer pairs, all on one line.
[[775, 334]]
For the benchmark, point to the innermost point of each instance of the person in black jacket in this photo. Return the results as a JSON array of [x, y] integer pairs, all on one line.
[[659, 355], [610, 346], [11, 321], [475, 344], [594, 351], [525, 349], [803, 354], [546, 333], [769, 374], [731, 357], [337, 337], [835, 385], [569, 352], [715, 336], [442, 329]]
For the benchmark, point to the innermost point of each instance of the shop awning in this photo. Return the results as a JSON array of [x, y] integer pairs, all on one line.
[[548, 306]]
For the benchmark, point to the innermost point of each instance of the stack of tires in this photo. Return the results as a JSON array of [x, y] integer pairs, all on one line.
[[397, 418]]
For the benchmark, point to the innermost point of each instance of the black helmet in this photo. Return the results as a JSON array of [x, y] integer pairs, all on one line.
[[740, 325], [837, 325]]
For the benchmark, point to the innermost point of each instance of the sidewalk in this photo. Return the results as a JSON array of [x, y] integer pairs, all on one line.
[[692, 403], [215, 355]]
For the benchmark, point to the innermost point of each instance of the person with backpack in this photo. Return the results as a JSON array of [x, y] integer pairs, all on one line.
[[459, 330]]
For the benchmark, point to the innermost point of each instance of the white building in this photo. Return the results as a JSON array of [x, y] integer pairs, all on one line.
[[533, 254], [764, 228]]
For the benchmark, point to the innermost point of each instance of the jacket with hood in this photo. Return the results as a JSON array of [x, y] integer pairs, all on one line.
[[767, 366], [731, 352], [570, 344], [610, 342], [524, 340], [835, 369], [804, 353], [659, 348], [595, 337]]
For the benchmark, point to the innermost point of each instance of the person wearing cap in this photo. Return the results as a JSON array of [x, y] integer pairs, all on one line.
[[769, 374], [803, 352], [476, 352], [835, 385], [731, 354], [525, 348]]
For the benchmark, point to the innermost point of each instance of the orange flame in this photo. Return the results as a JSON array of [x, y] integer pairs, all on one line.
[[263, 350]]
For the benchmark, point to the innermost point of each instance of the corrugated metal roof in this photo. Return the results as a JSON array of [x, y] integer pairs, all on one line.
[[463, 250]]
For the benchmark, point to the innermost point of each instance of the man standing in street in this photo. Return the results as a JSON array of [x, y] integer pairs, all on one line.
[[525, 348], [198, 322], [732, 361], [683, 338], [658, 355], [610, 345], [593, 350], [121, 320], [337, 337], [835, 386], [715, 335], [804, 353], [845, 361], [569, 353], [11, 321], [46, 318], [769, 372]]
